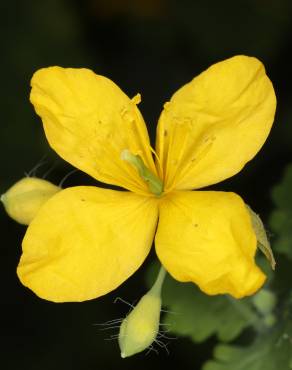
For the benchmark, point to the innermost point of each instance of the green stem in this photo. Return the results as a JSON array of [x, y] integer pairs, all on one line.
[[157, 286], [250, 316]]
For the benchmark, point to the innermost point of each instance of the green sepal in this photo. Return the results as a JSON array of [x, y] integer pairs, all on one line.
[[261, 235]]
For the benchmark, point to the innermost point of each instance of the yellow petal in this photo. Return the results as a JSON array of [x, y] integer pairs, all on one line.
[[207, 238], [89, 121], [215, 124], [85, 242]]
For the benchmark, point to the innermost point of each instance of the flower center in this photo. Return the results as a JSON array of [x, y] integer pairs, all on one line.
[[154, 183]]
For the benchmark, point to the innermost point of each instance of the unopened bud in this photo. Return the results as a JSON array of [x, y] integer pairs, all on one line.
[[265, 301], [24, 199], [140, 328]]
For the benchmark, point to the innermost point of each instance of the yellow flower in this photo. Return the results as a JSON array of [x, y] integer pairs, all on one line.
[[85, 241]]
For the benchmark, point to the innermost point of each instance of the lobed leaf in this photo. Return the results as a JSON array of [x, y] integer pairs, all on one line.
[[270, 351]]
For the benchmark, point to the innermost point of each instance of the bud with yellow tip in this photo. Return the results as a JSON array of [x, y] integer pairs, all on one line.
[[23, 200], [140, 328]]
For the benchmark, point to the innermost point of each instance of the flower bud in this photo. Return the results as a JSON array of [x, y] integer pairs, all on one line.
[[265, 301], [23, 200], [140, 328]]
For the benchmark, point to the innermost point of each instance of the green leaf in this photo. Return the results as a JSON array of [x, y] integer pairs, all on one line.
[[270, 351], [199, 316], [281, 217]]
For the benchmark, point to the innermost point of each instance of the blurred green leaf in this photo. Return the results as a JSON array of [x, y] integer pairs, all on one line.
[[199, 316], [281, 217], [270, 351]]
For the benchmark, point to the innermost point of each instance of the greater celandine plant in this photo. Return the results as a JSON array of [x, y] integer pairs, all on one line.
[[82, 242]]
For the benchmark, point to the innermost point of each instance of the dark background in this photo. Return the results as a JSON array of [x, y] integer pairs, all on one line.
[[146, 46]]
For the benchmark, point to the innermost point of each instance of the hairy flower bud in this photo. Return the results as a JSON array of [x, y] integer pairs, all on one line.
[[23, 200], [140, 328]]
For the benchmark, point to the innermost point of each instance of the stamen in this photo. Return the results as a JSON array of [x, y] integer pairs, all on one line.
[[136, 99], [160, 169]]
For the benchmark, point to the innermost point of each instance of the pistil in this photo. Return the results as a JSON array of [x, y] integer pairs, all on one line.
[[154, 183]]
